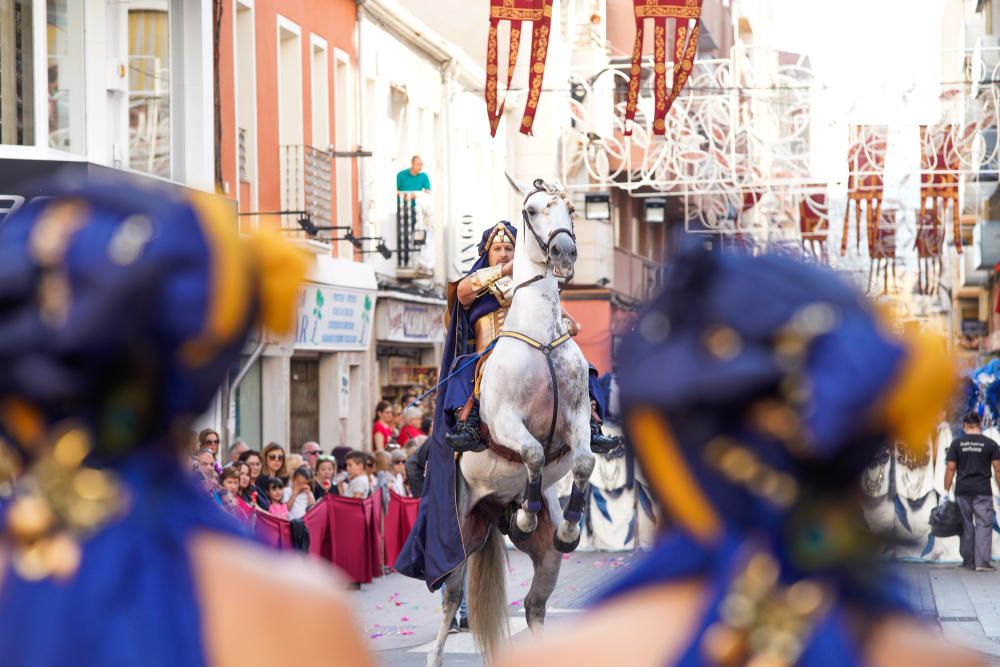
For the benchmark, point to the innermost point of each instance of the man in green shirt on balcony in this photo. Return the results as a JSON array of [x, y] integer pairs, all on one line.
[[413, 179]]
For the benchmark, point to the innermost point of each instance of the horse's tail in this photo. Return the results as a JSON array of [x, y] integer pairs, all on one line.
[[488, 595]]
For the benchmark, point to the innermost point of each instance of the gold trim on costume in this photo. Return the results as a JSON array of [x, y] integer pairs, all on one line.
[[670, 476]]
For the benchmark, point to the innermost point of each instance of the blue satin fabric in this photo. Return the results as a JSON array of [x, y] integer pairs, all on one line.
[[133, 600]]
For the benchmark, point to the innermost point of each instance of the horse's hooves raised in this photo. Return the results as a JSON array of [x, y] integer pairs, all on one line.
[[565, 547]]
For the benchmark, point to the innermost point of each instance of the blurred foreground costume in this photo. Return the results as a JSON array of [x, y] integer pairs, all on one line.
[[121, 310], [755, 391]]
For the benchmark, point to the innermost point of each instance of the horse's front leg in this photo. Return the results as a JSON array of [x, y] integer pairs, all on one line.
[[509, 431], [567, 536]]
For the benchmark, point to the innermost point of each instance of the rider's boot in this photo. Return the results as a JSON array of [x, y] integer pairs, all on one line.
[[600, 443], [466, 437]]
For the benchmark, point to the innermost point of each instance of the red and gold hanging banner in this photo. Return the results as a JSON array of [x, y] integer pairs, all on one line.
[[686, 14], [940, 162], [865, 181], [539, 13]]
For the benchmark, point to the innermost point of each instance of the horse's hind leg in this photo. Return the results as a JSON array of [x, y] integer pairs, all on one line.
[[567, 535], [454, 587]]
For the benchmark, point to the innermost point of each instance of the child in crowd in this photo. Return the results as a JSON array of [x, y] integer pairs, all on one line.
[[301, 498], [229, 484], [356, 485], [275, 491], [326, 468], [397, 480]]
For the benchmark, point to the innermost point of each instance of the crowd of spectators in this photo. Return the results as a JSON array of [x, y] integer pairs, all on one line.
[[287, 484]]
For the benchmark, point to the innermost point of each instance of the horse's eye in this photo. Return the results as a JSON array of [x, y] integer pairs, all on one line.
[[531, 210]]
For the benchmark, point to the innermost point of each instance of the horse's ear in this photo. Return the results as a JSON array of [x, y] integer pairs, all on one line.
[[519, 187], [558, 186]]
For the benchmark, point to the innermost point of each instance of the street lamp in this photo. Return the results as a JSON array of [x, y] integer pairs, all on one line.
[[656, 209], [352, 239], [597, 206]]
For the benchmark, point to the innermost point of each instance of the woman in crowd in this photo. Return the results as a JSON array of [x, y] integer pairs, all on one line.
[[412, 418], [382, 428], [326, 469], [209, 439], [254, 462], [755, 390], [245, 487], [123, 309], [274, 462]]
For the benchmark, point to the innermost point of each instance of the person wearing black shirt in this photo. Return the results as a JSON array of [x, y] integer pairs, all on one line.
[[973, 457]]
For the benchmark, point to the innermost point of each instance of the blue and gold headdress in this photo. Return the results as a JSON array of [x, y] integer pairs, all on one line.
[[502, 232], [778, 384], [122, 308]]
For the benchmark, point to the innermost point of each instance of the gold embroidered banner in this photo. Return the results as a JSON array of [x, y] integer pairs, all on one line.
[[940, 162], [539, 12], [685, 49]]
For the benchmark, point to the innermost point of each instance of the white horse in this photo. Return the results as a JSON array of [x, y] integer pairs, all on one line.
[[535, 403]]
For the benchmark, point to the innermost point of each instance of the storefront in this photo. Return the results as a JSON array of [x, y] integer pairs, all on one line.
[[317, 385], [409, 332]]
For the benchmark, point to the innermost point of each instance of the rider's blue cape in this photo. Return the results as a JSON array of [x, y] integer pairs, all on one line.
[[434, 547]]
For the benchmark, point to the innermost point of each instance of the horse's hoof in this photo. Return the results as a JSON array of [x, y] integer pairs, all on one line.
[[524, 522], [565, 547], [517, 535]]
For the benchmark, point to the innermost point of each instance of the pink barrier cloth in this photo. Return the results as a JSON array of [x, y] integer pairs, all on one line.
[[272, 530], [399, 519], [345, 531]]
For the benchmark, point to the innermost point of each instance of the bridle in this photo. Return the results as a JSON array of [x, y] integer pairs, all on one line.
[[540, 186], [544, 245]]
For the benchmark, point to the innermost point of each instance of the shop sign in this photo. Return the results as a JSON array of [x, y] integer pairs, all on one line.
[[333, 318], [408, 322]]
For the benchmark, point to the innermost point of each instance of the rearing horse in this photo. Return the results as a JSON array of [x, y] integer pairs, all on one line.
[[535, 404]]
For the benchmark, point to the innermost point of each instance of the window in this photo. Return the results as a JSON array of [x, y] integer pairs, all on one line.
[[67, 113], [343, 140], [17, 109], [320, 94], [149, 88], [289, 83], [246, 107]]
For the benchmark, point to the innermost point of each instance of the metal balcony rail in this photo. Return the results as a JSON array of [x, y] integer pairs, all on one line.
[[306, 184], [410, 231]]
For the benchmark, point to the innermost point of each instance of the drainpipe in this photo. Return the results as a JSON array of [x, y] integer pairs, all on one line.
[[230, 404], [362, 201]]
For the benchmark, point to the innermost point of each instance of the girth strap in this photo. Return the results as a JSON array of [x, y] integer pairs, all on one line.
[[545, 349]]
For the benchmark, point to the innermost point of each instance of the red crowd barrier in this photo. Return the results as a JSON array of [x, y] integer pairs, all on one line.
[[399, 520], [345, 531], [351, 533]]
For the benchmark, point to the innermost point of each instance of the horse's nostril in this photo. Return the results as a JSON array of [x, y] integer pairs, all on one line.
[[556, 251], [572, 253]]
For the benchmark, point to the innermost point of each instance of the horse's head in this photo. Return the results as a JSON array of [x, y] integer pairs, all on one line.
[[548, 223]]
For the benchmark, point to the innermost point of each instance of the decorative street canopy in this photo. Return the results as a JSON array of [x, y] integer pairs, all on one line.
[[866, 181]]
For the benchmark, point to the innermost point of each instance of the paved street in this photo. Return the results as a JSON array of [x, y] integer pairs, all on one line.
[[965, 604], [401, 618]]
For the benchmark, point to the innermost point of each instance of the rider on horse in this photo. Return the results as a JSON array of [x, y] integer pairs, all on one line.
[[485, 296]]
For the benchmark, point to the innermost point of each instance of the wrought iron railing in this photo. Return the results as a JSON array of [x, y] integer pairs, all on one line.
[[411, 229], [306, 184]]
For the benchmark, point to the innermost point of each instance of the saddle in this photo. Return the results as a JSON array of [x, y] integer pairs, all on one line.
[[512, 456]]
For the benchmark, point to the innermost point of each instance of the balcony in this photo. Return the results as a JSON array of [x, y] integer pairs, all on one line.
[[635, 277], [306, 185], [414, 238]]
